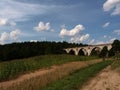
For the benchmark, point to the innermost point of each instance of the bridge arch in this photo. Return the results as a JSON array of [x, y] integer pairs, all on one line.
[[95, 51], [87, 49], [82, 51], [72, 52]]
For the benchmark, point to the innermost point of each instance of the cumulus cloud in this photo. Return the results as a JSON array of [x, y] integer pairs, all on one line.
[[84, 37], [72, 32], [5, 22], [42, 27], [12, 36], [4, 36], [80, 38], [106, 24], [117, 32], [112, 5]]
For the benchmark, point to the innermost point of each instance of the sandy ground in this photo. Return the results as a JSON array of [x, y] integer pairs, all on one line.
[[107, 79], [41, 75]]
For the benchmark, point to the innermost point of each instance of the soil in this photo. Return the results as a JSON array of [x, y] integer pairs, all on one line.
[[42, 72], [107, 79]]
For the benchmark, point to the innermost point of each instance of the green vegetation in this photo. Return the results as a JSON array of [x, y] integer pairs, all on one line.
[[115, 48], [116, 63], [107, 53], [29, 49], [11, 69], [103, 53], [76, 79]]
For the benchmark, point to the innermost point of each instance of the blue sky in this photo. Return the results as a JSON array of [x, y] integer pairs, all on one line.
[[79, 21]]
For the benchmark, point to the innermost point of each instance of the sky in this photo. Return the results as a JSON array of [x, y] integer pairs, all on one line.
[[74, 21]]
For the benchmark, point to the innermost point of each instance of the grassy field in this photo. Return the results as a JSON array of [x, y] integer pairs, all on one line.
[[12, 69], [116, 65], [76, 79]]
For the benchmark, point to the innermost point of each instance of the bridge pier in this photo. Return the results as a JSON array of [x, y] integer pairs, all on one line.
[[76, 51], [68, 50]]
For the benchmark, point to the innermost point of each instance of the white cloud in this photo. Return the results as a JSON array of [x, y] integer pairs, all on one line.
[[117, 32], [92, 41], [100, 42], [112, 5], [5, 22], [19, 11], [73, 32], [84, 37], [111, 40], [33, 40], [42, 27], [105, 36], [104, 42], [63, 26], [12, 23], [106, 24], [80, 38], [12, 36], [4, 36]]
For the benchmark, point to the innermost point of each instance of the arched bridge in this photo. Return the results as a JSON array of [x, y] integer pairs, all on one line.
[[88, 49]]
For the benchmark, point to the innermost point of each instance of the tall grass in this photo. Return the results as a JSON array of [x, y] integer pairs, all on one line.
[[38, 79], [12, 69], [116, 64], [76, 80]]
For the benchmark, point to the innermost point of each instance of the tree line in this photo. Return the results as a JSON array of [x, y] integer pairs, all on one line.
[[104, 52], [29, 49], [113, 51]]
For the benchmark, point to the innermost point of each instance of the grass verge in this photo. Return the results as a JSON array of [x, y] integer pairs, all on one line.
[[116, 64], [12, 69], [76, 79]]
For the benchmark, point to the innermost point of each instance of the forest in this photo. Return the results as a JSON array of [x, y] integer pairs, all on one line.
[[30, 49]]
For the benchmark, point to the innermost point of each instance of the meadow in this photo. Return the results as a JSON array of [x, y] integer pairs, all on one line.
[[49, 72], [12, 69], [75, 80], [116, 65]]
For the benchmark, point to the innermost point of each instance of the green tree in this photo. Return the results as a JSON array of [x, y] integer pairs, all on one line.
[[104, 53], [111, 52], [117, 56], [81, 53], [116, 46], [95, 52]]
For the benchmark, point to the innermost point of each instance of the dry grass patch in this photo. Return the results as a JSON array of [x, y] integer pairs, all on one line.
[[42, 77]]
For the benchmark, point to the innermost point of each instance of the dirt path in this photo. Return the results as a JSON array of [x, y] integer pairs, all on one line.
[[39, 78], [107, 79]]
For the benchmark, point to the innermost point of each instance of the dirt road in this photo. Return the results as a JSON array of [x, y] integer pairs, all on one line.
[[42, 77], [107, 79]]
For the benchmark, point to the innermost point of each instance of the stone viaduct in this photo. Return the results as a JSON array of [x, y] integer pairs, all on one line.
[[88, 49]]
